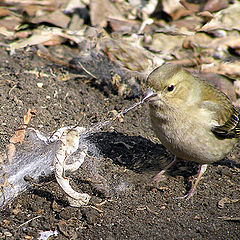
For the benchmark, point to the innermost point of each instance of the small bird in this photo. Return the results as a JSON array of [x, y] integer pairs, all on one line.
[[192, 118]]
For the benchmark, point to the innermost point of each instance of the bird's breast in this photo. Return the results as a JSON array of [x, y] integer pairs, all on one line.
[[188, 136]]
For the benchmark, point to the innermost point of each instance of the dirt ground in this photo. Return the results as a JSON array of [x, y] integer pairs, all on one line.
[[125, 204]]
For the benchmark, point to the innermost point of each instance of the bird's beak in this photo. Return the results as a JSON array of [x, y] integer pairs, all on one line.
[[150, 95]]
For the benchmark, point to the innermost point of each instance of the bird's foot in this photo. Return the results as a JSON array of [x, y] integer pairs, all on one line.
[[159, 177], [188, 196]]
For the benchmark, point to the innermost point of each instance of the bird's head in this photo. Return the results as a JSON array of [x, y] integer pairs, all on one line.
[[171, 86]]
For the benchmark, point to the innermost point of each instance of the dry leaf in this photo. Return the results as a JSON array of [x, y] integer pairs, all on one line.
[[124, 25], [4, 12], [52, 36], [178, 9], [18, 137], [206, 15], [230, 68], [172, 6], [215, 5], [100, 11], [227, 19], [10, 22], [6, 33], [192, 7], [191, 23], [166, 45], [19, 134], [56, 18]]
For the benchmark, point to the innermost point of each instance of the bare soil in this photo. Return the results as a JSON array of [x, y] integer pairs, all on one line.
[[125, 204]]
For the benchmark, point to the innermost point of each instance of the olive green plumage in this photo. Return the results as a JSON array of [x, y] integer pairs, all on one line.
[[192, 118], [189, 115]]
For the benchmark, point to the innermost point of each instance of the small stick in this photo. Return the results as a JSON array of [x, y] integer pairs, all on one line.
[[29, 221]]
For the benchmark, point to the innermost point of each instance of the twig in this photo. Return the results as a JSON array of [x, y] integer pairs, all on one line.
[[12, 89], [101, 203], [29, 221], [93, 207], [63, 63], [225, 218], [148, 209], [86, 70]]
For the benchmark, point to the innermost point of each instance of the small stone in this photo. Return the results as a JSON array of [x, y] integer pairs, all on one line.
[[28, 237], [40, 85], [7, 234]]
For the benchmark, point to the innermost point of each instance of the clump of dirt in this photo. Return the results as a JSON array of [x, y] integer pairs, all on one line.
[[125, 204]]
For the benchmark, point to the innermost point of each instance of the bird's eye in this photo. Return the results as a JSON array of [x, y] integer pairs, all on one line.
[[170, 88]]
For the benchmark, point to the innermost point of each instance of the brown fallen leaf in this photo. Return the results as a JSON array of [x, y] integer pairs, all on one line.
[[179, 9], [189, 6], [226, 19], [228, 69], [56, 207], [57, 18], [124, 25], [206, 15], [10, 22], [38, 37], [22, 34], [4, 33], [4, 12], [55, 40], [215, 5], [19, 134], [18, 137], [49, 37], [100, 11]]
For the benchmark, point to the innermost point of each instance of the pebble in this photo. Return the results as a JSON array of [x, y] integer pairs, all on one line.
[[7, 234]]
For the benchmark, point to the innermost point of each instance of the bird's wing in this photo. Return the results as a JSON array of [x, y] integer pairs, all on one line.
[[223, 111], [230, 129]]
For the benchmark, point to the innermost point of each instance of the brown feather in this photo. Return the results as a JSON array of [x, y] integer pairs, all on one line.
[[227, 116], [231, 129]]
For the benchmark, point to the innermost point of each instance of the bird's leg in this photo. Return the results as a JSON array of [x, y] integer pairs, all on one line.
[[158, 177], [202, 170]]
